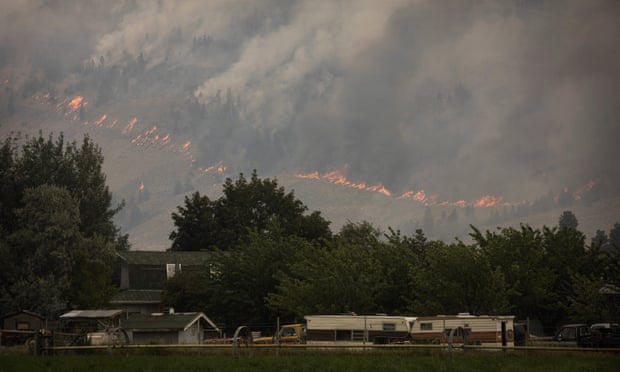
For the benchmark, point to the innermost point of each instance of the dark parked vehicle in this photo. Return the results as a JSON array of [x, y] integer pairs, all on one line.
[[604, 335], [572, 335], [583, 335]]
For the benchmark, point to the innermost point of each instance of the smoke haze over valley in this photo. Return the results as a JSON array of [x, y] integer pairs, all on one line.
[[447, 104]]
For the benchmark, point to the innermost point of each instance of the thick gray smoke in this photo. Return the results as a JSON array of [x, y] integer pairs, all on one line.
[[460, 98]]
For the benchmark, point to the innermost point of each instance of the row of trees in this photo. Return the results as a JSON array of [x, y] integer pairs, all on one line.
[[57, 238], [272, 258], [264, 267]]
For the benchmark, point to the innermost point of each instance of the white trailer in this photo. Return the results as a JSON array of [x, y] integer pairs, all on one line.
[[377, 329], [485, 330]]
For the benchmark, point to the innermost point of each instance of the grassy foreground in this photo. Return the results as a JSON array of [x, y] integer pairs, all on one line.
[[314, 361]]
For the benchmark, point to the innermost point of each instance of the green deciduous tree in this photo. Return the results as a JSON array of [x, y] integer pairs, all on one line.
[[235, 286], [32, 161], [246, 205], [568, 220], [520, 256], [57, 238], [358, 272], [457, 278]]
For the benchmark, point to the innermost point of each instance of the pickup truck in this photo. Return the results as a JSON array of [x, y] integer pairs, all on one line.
[[572, 335], [290, 333]]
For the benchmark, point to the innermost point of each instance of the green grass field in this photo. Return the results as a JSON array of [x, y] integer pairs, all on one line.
[[271, 360]]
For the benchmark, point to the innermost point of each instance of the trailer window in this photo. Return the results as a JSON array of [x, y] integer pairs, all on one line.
[[426, 326], [389, 326]]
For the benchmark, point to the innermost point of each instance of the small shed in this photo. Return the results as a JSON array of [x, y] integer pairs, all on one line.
[[169, 328], [19, 326], [23, 320]]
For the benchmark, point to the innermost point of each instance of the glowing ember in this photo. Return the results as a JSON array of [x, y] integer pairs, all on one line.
[[141, 186], [186, 145]]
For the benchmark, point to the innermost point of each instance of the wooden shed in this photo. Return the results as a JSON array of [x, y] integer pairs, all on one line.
[[20, 326], [23, 320], [169, 328]]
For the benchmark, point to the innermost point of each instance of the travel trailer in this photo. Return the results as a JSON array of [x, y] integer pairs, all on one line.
[[464, 328]]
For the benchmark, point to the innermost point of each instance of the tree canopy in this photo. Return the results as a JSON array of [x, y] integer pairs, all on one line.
[[257, 204], [548, 274], [57, 238]]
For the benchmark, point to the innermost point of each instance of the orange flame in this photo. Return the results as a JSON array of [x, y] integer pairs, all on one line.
[[74, 104], [101, 119], [141, 186], [313, 175], [219, 167], [578, 195], [338, 178], [186, 145], [488, 201], [130, 125]]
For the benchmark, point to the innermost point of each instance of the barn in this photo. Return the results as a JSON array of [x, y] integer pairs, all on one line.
[[170, 328]]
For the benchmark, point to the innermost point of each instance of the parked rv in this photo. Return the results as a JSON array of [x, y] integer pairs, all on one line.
[[464, 328], [376, 329]]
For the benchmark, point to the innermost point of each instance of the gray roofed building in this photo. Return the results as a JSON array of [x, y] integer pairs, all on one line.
[[170, 328]]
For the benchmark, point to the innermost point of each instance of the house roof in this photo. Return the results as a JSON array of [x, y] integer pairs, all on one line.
[[91, 314], [177, 321], [137, 296], [162, 258]]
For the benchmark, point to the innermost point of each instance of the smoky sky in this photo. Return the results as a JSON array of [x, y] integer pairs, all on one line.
[[461, 98]]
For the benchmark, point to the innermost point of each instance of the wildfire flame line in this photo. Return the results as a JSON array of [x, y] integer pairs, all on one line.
[[218, 167], [70, 107], [337, 177]]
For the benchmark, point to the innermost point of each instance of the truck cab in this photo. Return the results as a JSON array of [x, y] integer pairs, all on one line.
[[572, 335], [290, 333]]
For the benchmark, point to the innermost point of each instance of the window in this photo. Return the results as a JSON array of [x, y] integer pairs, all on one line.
[[569, 334], [389, 326], [426, 326], [170, 270], [22, 326]]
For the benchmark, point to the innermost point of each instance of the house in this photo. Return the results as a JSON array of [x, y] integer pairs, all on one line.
[[170, 328], [143, 275]]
